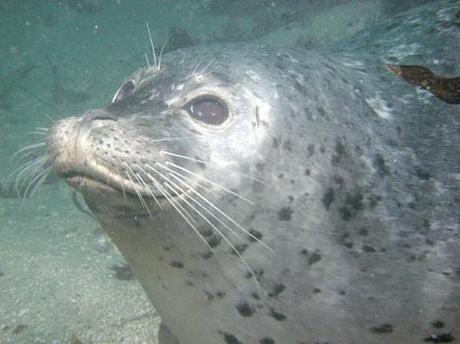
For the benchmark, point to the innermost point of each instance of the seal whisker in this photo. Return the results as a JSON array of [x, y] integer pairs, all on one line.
[[182, 156], [20, 168], [178, 207], [204, 179], [147, 60], [147, 187], [36, 182], [165, 192], [152, 46], [174, 139], [27, 175], [196, 183], [187, 194], [139, 195], [244, 230], [50, 118], [203, 71], [161, 53], [123, 189], [24, 170], [23, 152], [204, 162], [37, 132], [40, 182], [213, 226], [218, 231], [195, 69]]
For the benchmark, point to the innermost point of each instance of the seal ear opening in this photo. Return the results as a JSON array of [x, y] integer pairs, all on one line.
[[125, 90], [208, 109]]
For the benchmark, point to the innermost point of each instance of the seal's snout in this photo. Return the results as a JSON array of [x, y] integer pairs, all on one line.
[[61, 144]]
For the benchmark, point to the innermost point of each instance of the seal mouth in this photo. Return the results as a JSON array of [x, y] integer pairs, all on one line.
[[109, 182], [94, 178]]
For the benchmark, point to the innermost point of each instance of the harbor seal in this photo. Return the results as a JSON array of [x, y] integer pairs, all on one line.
[[277, 196]]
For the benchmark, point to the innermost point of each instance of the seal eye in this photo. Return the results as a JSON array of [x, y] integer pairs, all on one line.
[[125, 90], [208, 109]]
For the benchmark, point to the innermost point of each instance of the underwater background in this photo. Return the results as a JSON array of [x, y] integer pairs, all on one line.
[[61, 279]]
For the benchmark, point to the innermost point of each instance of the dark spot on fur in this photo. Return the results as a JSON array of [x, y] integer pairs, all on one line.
[[369, 248], [311, 150], [266, 340], [259, 272], [316, 291], [328, 198], [374, 201], [206, 232], [440, 338], [280, 176], [288, 145], [340, 152], [231, 339], [275, 143], [256, 235], [276, 315], [177, 264], [290, 199], [245, 309], [307, 171], [422, 174], [426, 224], [214, 241], [277, 289], [348, 244], [352, 205], [260, 166], [322, 112], [363, 231], [380, 165], [339, 181], [322, 149], [284, 214], [255, 295], [312, 258], [437, 324], [238, 249], [382, 329], [207, 255]]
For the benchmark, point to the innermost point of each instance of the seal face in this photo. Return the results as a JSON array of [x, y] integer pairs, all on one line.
[[264, 197]]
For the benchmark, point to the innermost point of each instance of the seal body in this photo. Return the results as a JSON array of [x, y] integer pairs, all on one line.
[[274, 196]]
